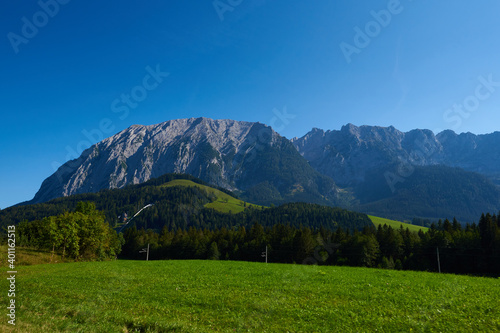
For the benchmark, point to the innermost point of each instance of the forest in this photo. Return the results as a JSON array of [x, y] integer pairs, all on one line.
[[473, 249], [183, 207]]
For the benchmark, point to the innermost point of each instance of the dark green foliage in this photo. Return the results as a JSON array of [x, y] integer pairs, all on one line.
[[116, 202], [421, 222], [213, 251], [179, 227], [263, 192], [462, 250], [82, 234], [183, 207]]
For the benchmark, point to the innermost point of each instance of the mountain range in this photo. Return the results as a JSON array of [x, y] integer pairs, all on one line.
[[378, 170], [349, 154]]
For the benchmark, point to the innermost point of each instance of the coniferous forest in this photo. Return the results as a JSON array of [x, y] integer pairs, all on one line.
[[473, 249]]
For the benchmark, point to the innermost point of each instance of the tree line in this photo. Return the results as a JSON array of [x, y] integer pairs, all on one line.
[[473, 249], [293, 233], [182, 207]]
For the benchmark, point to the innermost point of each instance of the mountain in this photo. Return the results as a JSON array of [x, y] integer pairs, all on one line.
[[477, 153], [414, 174], [249, 158], [377, 170], [347, 155]]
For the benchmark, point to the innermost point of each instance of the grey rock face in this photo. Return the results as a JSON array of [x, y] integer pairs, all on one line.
[[347, 155], [232, 154]]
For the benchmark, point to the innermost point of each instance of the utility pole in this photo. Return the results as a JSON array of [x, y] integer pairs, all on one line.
[[439, 264], [145, 250], [264, 254]]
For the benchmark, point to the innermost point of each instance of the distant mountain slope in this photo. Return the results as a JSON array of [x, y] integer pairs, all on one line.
[[182, 201], [115, 202], [478, 153], [241, 156], [429, 192], [221, 201]]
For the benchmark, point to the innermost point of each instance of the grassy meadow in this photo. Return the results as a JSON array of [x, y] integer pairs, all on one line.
[[224, 203], [225, 296], [395, 224]]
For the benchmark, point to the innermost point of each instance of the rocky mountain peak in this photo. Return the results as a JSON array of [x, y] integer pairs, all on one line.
[[236, 155]]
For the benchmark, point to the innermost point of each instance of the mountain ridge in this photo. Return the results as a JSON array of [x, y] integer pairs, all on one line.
[[239, 156], [343, 167], [334, 152]]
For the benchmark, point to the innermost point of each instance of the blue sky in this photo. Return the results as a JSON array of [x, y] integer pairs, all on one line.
[[67, 65]]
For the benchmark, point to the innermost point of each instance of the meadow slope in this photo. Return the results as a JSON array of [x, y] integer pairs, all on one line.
[[395, 224], [224, 203]]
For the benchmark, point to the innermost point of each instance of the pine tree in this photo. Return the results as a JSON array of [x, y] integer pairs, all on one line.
[[213, 252]]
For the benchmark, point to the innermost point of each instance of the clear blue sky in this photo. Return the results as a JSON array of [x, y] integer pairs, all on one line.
[[239, 62]]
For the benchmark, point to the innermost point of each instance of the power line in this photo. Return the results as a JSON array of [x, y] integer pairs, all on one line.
[[123, 226]]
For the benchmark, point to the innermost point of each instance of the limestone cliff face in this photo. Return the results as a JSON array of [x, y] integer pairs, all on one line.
[[232, 154]]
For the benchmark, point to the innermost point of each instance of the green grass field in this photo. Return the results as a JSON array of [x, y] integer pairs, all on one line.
[[395, 224], [224, 203], [225, 296]]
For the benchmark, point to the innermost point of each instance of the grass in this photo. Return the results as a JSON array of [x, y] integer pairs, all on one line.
[[395, 224], [224, 203], [225, 296]]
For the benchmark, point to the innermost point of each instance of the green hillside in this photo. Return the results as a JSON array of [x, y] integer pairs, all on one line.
[[225, 296], [170, 194], [395, 224], [223, 203], [181, 201]]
